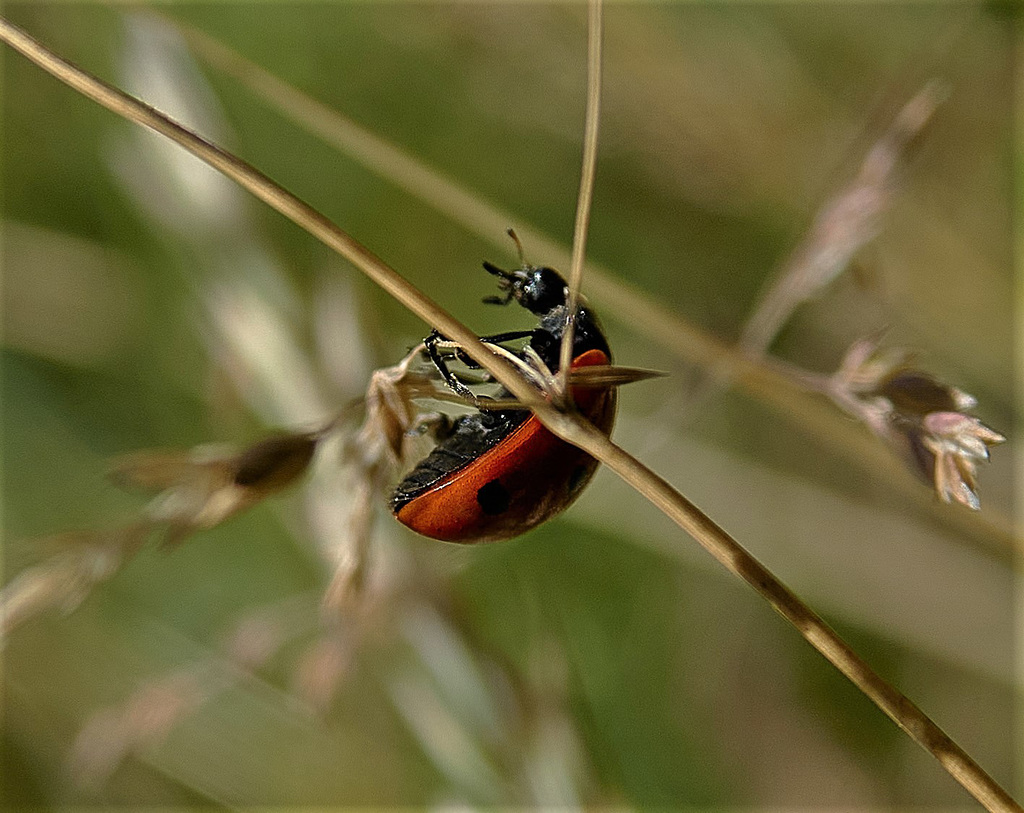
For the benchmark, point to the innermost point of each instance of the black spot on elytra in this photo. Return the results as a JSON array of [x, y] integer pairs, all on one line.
[[493, 498]]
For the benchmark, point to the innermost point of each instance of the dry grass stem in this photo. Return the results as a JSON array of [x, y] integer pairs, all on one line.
[[194, 490], [659, 492], [810, 625], [624, 303], [279, 199], [86, 558], [843, 226], [143, 720], [586, 193]]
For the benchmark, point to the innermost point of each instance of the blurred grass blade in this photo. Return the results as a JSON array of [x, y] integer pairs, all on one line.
[[621, 302], [844, 225]]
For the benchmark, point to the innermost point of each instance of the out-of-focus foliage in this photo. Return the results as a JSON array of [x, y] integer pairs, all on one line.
[[602, 658]]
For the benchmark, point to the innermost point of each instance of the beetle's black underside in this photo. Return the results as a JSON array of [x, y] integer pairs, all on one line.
[[471, 436]]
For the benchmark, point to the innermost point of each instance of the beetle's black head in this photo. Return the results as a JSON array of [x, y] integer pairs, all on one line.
[[539, 290]]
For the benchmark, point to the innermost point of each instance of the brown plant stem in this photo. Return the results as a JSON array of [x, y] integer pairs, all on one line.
[[625, 304], [586, 194], [566, 426], [810, 625]]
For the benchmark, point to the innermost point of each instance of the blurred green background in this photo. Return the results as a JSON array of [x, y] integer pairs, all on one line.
[[602, 659]]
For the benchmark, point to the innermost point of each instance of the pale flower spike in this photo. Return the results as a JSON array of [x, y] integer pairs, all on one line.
[[924, 420], [958, 442], [200, 488]]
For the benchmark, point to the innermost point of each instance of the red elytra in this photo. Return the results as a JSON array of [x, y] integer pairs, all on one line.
[[524, 480]]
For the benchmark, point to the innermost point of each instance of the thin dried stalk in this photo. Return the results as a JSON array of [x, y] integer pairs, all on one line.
[[142, 721], [631, 307], [687, 516], [586, 195], [845, 224], [296, 210], [86, 558]]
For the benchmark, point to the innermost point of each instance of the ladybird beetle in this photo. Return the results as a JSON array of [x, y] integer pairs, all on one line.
[[498, 473]]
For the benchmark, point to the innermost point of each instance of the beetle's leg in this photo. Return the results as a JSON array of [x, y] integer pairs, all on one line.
[[435, 343], [432, 345], [497, 338], [508, 336]]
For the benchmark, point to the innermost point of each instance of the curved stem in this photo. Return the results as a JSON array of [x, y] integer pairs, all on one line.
[[808, 623], [568, 427], [991, 532]]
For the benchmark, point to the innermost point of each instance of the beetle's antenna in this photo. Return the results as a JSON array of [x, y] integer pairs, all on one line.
[[506, 282], [491, 268], [519, 246]]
